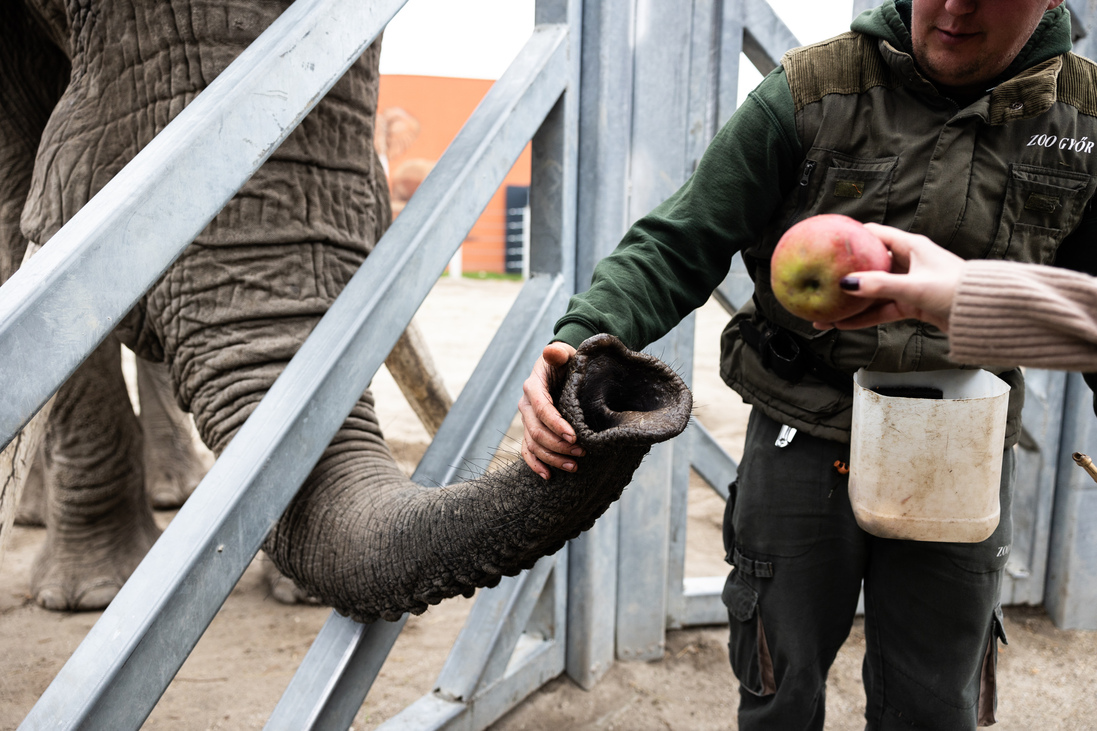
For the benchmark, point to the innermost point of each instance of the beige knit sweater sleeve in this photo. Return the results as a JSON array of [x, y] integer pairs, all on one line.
[[1006, 313]]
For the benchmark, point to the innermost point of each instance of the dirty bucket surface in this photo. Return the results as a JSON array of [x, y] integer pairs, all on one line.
[[927, 469]]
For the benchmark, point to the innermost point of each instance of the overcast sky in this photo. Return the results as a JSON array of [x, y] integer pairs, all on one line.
[[479, 38]]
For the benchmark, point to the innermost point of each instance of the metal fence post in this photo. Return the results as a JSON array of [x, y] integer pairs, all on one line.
[[605, 114], [660, 163], [1071, 592]]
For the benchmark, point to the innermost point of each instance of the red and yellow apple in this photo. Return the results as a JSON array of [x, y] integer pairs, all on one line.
[[813, 256]]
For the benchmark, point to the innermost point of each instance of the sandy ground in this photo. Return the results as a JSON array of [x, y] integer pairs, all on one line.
[[1048, 677]]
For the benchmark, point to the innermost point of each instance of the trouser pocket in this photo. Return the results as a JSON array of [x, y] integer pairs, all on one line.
[[748, 650], [988, 680]]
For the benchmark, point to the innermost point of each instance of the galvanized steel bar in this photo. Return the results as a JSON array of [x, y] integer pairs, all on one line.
[[1071, 596], [332, 681], [487, 641], [765, 36], [605, 126], [728, 52], [703, 604], [59, 306], [115, 676], [555, 160], [533, 663], [710, 460], [335, 675], [660, 163], [737, 287], [1034, 488]]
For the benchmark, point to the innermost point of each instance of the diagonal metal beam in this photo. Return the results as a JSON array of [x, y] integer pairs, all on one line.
[[765, 36], [114, 678]]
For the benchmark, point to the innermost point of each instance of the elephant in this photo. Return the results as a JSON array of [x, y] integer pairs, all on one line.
[[84, 85]]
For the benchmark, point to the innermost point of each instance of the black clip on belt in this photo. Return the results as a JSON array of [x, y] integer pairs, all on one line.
[[785, 355]]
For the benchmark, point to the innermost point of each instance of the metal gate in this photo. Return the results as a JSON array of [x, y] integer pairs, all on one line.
[[620, 98]]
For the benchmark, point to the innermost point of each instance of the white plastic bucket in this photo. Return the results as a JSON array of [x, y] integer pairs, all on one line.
[[928, 469]]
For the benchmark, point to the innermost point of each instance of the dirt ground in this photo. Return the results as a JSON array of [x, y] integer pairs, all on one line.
[[1048, 677]]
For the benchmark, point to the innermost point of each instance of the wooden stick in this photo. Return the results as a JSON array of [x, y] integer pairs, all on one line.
[[1086, 464]]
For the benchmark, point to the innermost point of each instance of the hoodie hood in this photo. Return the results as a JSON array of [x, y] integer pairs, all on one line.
[[891, 22]]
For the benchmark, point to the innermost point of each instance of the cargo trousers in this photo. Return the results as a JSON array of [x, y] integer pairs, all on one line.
[[932, 613]]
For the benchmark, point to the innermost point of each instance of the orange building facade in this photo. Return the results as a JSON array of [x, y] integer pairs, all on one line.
[[418, 117]]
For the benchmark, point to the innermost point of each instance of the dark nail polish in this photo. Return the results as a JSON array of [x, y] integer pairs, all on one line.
[[850, 284]]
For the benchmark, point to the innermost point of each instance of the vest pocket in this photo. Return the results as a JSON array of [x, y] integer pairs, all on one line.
[[855, 187], [1040, 207]]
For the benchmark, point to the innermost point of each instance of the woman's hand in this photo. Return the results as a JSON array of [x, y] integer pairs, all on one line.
[[547, 439], [921, 284]]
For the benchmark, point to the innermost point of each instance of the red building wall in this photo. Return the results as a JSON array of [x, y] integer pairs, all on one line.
[[423, 114]]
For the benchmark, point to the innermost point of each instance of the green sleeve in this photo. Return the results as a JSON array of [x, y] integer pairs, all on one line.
[[669, 262]]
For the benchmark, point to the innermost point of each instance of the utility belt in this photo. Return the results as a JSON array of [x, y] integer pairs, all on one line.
[[789, 357]]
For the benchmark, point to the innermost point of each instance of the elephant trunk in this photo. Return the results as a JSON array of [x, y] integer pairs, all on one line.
[[372, 544]]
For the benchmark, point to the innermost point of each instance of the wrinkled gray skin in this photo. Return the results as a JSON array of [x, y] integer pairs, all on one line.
[[173, 465], [232, 311]]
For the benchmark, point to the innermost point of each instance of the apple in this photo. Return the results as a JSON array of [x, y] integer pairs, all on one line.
[[813, 256]]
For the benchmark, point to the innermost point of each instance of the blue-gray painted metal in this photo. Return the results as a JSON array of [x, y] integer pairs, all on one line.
[[706, 55], [71, 294], [703, 605], [727, 72], [1071, 592], [765, 36], [115, 676], [333, 679], [755, 30], [537, 657], [737, 287], [661, 161], [605, 126], [335, 675], [555, 160], [486, 642], [1034, 491], [711, 461], [592, 600], [679, 492]]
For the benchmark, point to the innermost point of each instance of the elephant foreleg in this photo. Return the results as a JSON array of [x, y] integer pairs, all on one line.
[[174, 463], [15, 465], [32, 505], [99, 523]]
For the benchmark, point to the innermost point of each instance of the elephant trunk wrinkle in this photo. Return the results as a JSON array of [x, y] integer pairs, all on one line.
[[381, 546]]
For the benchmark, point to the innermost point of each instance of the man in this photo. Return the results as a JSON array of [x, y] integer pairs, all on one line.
[[967, 121]]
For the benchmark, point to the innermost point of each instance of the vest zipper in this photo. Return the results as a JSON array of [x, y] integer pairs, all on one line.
[[809, 168]]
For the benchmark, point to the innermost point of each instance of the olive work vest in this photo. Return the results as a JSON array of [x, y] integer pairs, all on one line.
[[1007, 177]]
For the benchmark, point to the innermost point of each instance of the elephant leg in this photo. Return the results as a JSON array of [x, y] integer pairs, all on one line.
[[32, 506], [33, 73], [174, 465], [99, 524]]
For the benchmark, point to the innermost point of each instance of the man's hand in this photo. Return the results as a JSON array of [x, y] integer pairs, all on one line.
[[547, 439], [921, 284]]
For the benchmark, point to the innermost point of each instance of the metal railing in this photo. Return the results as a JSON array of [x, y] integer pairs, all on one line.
[[655, 86]]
